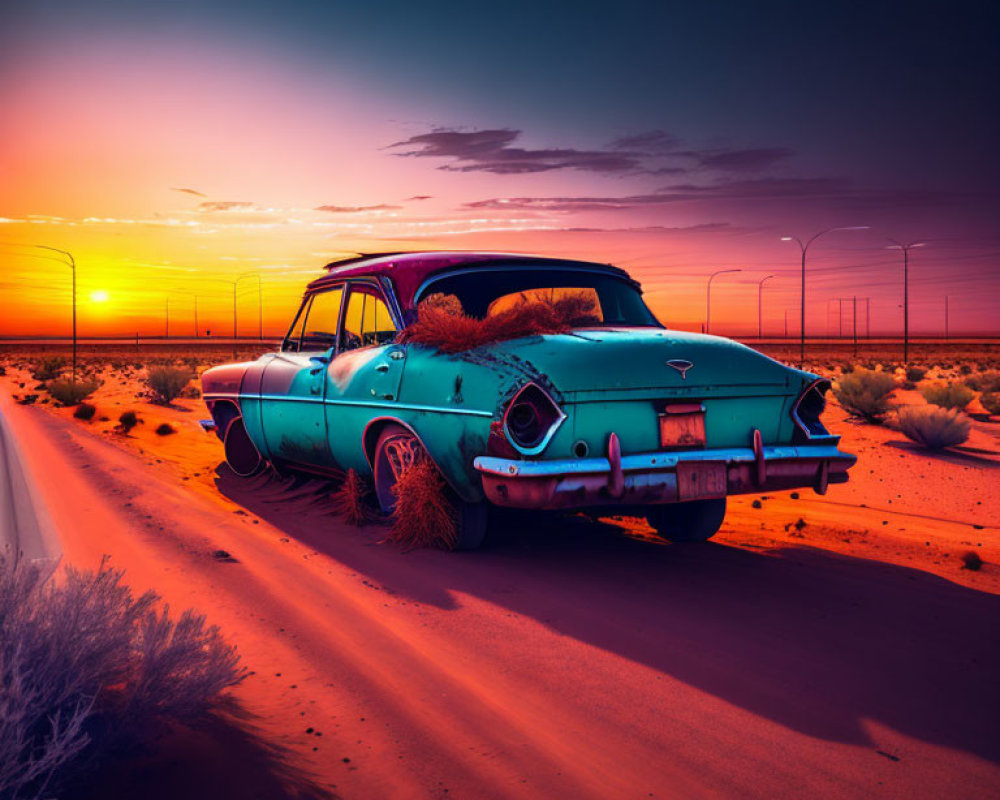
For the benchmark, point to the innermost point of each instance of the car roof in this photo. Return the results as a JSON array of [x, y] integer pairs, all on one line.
[[409, 270]]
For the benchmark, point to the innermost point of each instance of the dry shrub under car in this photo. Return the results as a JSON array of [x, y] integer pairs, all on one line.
[[349, 500], [865, 393], [424, 515], [442, 322], [934, 427], [86, 668]]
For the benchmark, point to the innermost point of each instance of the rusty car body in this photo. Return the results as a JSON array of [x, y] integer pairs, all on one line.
[[620, 415]]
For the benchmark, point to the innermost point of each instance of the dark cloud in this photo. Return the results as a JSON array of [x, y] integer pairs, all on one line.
[[223, 205], [418, 197], [195, 192], [747, 160], [761, 189], [653, 142], [356, 209], [491, 151]]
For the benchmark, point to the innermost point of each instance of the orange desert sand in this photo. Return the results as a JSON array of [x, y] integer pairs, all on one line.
[[848, 655]]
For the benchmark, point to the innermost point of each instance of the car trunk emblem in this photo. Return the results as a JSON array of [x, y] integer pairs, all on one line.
[[681, 366]]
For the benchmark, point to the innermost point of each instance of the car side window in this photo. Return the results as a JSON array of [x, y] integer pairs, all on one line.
[[290, 344], [320, 319], [367, 320]]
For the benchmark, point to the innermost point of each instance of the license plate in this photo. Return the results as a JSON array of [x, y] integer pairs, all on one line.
[[701, 480], [682, 430]]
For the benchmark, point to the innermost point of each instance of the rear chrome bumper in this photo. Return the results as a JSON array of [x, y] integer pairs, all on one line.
[[650, 478]]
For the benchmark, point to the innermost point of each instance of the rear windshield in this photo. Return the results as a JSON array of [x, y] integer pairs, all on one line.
[[610, 301]]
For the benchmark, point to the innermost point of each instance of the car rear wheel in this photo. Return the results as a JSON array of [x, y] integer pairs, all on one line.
[[396, 450], [694, 521], [242, 455]]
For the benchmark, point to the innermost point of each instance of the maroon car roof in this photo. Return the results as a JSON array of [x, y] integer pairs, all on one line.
[[409, 270]]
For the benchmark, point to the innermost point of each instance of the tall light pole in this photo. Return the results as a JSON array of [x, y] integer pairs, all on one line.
[[906, 291], [72, 265], [260, 301], [804, 247], [760, 306], [708, 297]]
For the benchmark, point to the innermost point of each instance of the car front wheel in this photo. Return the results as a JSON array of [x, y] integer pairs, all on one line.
[[396, 450], [694, 521]]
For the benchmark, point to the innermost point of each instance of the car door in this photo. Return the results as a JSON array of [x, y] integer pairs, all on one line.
[[365, 376], [294, 383]]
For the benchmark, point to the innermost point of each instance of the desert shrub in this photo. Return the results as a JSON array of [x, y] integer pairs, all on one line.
[[164, 429], [847, 367], [85, 411], [965, 369], [127, 421], [168, 382], [971, 561], [934, 427], [865, 393], [350, 499], [45, 369], [424, 516], [915, 374], [442, 323], [988, 381], [84, 665], [68, 393], [948, 395], [28, 399], [991, 402]]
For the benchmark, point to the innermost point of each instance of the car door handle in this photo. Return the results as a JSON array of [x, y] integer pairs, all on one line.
[[383, 367]]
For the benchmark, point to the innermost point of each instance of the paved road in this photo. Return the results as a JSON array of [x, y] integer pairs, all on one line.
[[24, 524]]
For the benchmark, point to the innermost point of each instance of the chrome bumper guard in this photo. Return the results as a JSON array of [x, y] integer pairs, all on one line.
[[649, 478]]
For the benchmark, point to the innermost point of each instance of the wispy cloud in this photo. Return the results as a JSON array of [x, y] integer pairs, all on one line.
[[747, 160], [183, 190], [657, 141], [493, 151], [224, 205], [333, 209]]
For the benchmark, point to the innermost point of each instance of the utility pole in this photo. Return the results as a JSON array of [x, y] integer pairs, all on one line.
[[855, 327], [868, 318], [946, 299], [786, 323], [708, 297], [804, 247], [906, 291], [166, 306]]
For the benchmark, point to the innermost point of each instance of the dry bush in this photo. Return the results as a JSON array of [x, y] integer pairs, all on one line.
[[933, 427], [85, 411], [127, 421], [948, 395], [442, 323], [84, 666], [991, 402], [424, 516], [988, 382], [167, 383], [915, 374], [68, 393], [46, 369], [865, 393], [164, 429], [971, 561], [349, 500]]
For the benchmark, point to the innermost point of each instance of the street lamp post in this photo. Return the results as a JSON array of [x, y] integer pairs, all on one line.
[[708, 297], [260, 301], [906, 291], [804, 247], [760, 306], [72, 266]]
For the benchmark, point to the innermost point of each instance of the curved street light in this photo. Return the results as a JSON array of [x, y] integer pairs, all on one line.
[[906, 291], [760, 306], [804, 246], [708, 297]]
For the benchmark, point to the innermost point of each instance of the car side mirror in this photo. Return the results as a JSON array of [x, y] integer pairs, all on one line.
[[317, 363]]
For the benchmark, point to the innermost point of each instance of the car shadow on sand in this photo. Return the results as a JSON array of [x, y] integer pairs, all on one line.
[[818, 642]]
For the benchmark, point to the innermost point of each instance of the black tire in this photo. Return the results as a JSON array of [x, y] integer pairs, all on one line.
[[694, 521], [242, 455], [396, 449]]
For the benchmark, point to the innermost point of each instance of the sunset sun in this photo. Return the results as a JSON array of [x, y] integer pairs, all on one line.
[[99, 296]]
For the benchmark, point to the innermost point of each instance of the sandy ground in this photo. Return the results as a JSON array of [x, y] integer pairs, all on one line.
[[851, 656]]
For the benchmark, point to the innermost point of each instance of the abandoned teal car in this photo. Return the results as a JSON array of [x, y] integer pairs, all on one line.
[[614, 413]]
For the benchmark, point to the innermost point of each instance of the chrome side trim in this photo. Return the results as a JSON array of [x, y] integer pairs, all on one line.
[[364, 403], [651, 462]]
